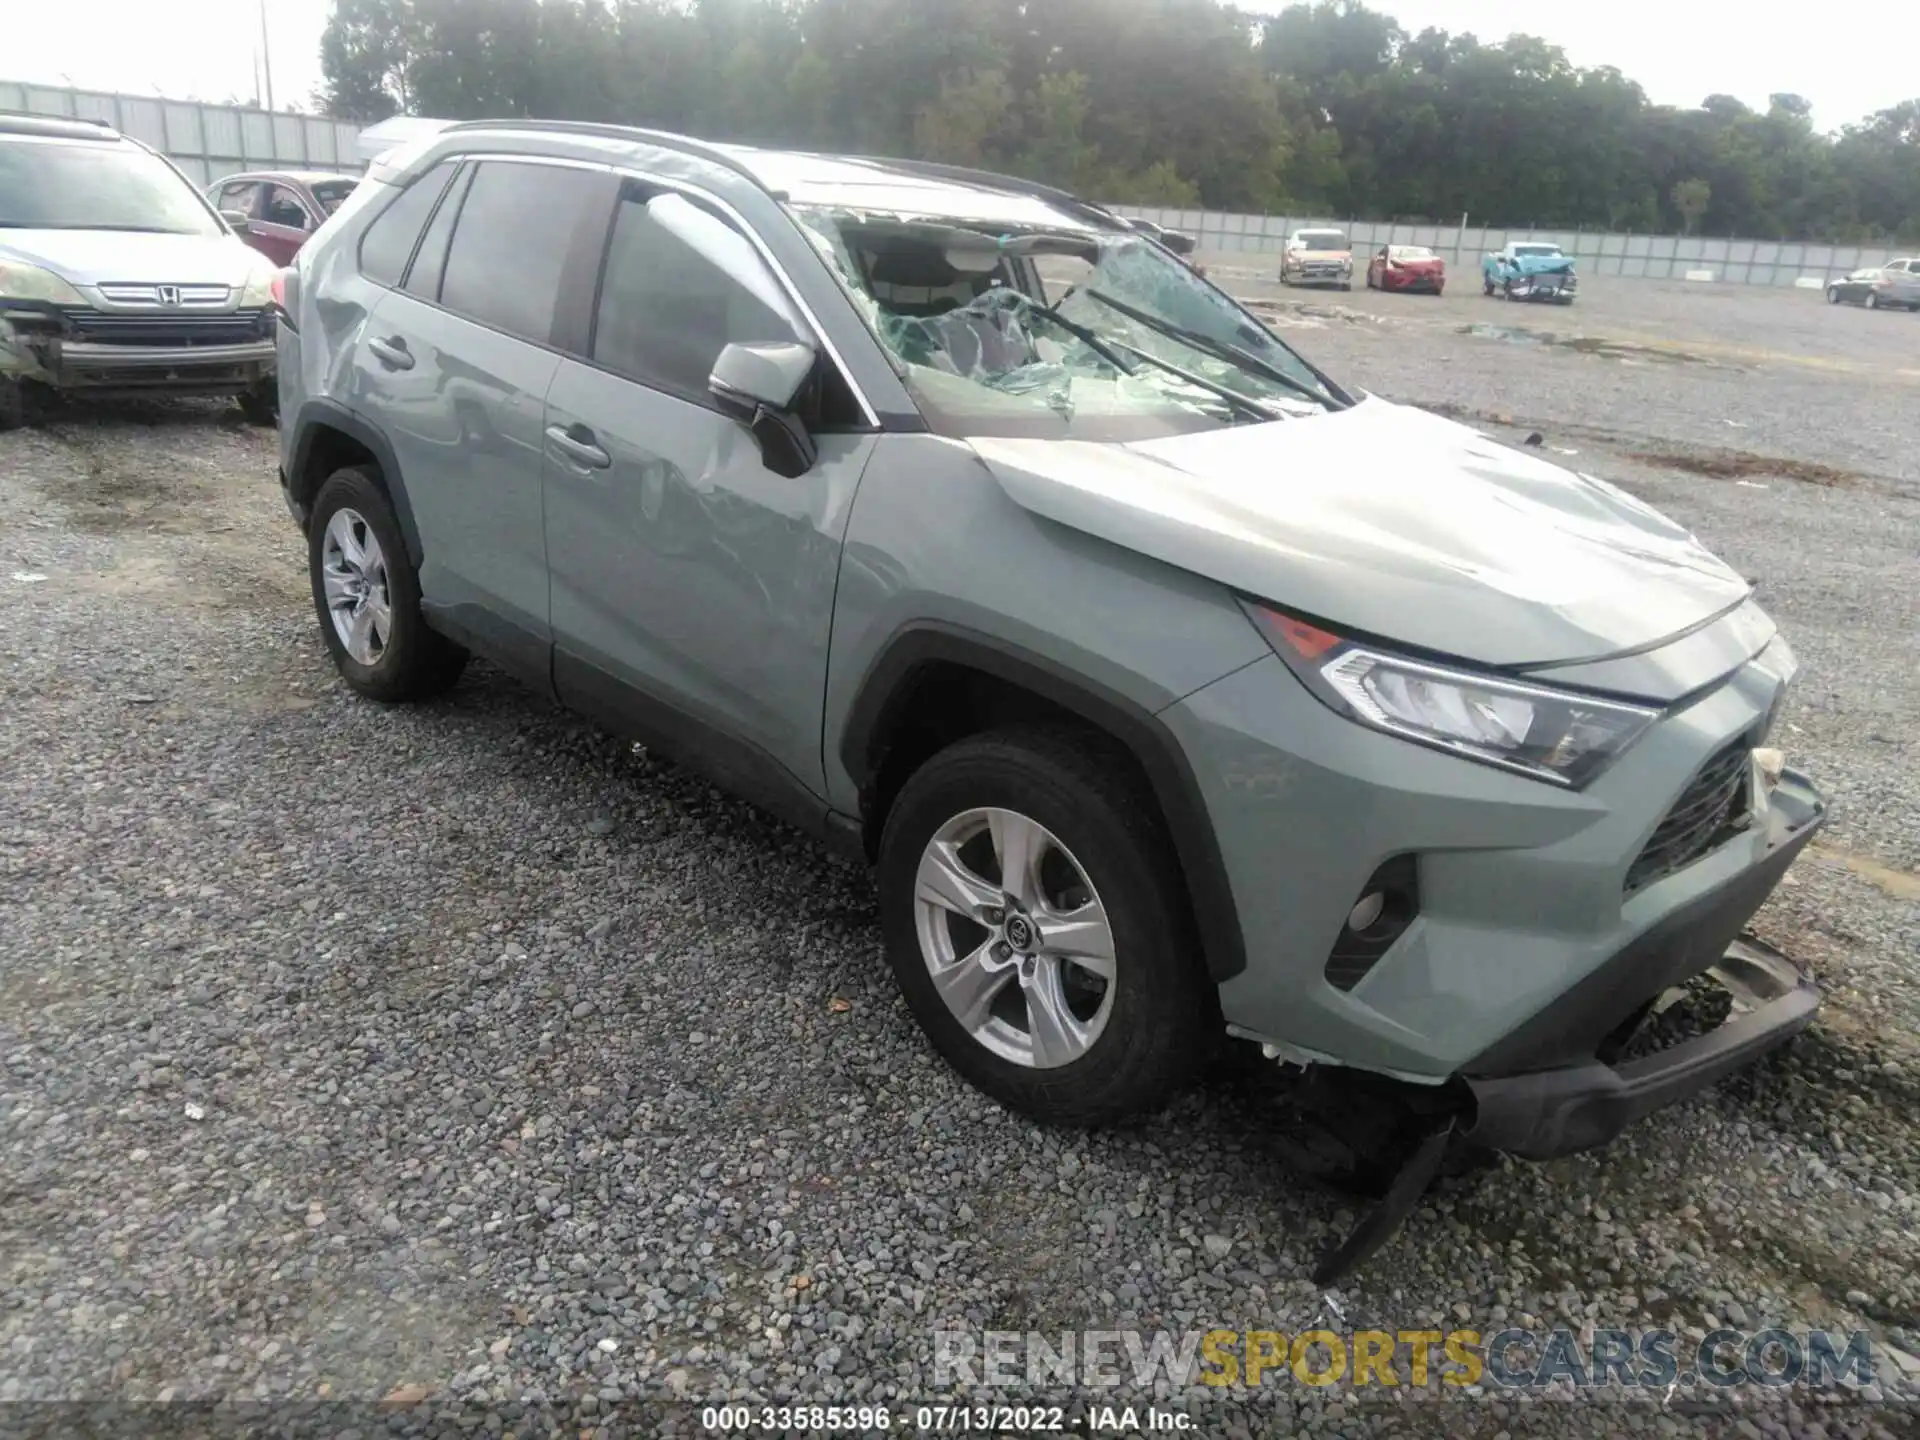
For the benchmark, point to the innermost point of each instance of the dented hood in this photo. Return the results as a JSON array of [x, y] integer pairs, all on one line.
[[1390, 521]]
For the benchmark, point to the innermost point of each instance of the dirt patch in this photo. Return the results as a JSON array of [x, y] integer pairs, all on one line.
[[1307, 315], [1739, 465], [1626, 352]]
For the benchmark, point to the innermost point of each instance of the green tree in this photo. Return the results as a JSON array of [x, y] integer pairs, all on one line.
[[1691, 198]]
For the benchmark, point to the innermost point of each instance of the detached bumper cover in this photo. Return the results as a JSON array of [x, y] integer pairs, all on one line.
[[1541, 1113]]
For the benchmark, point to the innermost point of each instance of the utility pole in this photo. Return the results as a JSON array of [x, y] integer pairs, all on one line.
[[266, 55]]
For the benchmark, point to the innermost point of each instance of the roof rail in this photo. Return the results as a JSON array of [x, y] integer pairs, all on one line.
[[617, 132], [1010, 184], [57, 122]]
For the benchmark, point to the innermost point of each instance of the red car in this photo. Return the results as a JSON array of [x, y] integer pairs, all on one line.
[[1406, 267], [282, 207]]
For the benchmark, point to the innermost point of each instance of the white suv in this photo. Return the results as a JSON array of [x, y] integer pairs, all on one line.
[[116, 276]]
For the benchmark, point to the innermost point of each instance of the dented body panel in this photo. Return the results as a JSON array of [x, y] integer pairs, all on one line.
[[1469, 547]]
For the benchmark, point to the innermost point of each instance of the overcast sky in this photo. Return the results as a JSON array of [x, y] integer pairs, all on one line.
[[1680, 50]]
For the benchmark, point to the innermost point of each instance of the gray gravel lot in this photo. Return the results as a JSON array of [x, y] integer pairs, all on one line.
[[345, 1049]]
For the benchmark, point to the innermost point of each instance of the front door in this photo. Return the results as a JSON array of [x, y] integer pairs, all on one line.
[[692, 586], [282, 225]]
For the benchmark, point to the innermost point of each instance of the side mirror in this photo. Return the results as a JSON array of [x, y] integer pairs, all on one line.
[[756, 384], [1178, 242], [237, 221]]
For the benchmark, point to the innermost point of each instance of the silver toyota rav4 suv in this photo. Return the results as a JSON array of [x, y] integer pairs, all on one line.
[[116, 277], [1173, 689]]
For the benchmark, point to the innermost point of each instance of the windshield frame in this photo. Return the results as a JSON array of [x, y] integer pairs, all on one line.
[[1166, 397], [130, 157]]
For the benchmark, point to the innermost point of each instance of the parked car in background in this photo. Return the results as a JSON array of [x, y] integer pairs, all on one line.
[[1894, 285], [1429, 769], [1317, 257], [283, 207], [117, 276], [1407, 267], [1530, 270]]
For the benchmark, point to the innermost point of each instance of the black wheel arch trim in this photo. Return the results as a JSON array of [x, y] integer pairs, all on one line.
[[887, 685], [321, 413]]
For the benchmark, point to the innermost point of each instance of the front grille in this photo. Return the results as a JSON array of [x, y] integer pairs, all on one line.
[[234, 327], [1711, 809], [193, 297]]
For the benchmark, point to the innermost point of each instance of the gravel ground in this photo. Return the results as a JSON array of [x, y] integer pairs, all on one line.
[[462, 1048]]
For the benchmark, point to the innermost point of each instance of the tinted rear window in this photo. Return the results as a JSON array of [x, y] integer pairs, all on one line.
[[389, 241], [511, 242]]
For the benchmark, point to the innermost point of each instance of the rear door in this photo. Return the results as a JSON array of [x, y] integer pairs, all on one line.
[[692, 586], [453, 367]]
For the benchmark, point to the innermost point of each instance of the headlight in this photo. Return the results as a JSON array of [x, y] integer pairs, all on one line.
[[1559, 736], [30, 282], [258, 289]]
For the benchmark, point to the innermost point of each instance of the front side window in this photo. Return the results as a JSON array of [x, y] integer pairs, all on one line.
[[1135, 346], [665, 311], [283, 207], [241, 195], [88, 185], [510, 244]]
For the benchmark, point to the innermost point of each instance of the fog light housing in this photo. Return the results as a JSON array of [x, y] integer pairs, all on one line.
[[1386, 906]]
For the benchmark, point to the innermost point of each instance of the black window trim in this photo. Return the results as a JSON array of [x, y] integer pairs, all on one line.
[[471, 161], [455, 194], [360, 246]]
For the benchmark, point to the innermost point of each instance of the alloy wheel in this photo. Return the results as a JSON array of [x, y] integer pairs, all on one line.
[[1016, 939], [353, 569]]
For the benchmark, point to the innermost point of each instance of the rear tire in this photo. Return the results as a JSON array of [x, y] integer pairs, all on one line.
[[355, 550], [1139, 1032]]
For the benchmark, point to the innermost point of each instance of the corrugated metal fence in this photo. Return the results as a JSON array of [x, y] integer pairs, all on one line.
[[1654, 257], [206, 141]]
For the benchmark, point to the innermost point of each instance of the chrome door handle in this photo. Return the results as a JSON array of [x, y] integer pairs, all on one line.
[[581, 452], [392, 353]]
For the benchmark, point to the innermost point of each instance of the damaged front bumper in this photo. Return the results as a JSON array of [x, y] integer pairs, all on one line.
[[1540, 1111], [48, 347], [1560, 289]]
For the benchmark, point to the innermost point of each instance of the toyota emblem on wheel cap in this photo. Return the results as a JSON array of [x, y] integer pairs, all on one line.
[[1019, 932]]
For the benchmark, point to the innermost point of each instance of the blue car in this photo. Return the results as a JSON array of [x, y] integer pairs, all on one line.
[[1529, 270]]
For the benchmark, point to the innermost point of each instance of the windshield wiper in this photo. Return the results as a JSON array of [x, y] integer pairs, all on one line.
[[1232, 354], [1233, 397]]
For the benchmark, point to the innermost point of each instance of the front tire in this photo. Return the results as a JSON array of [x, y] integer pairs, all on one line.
[[1035, 920], [260, 402], [13, 404], [1872, 302], [1833, 294], [367, 595]]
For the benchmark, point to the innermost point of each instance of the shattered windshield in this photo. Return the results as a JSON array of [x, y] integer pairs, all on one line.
[[1074, 333]]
